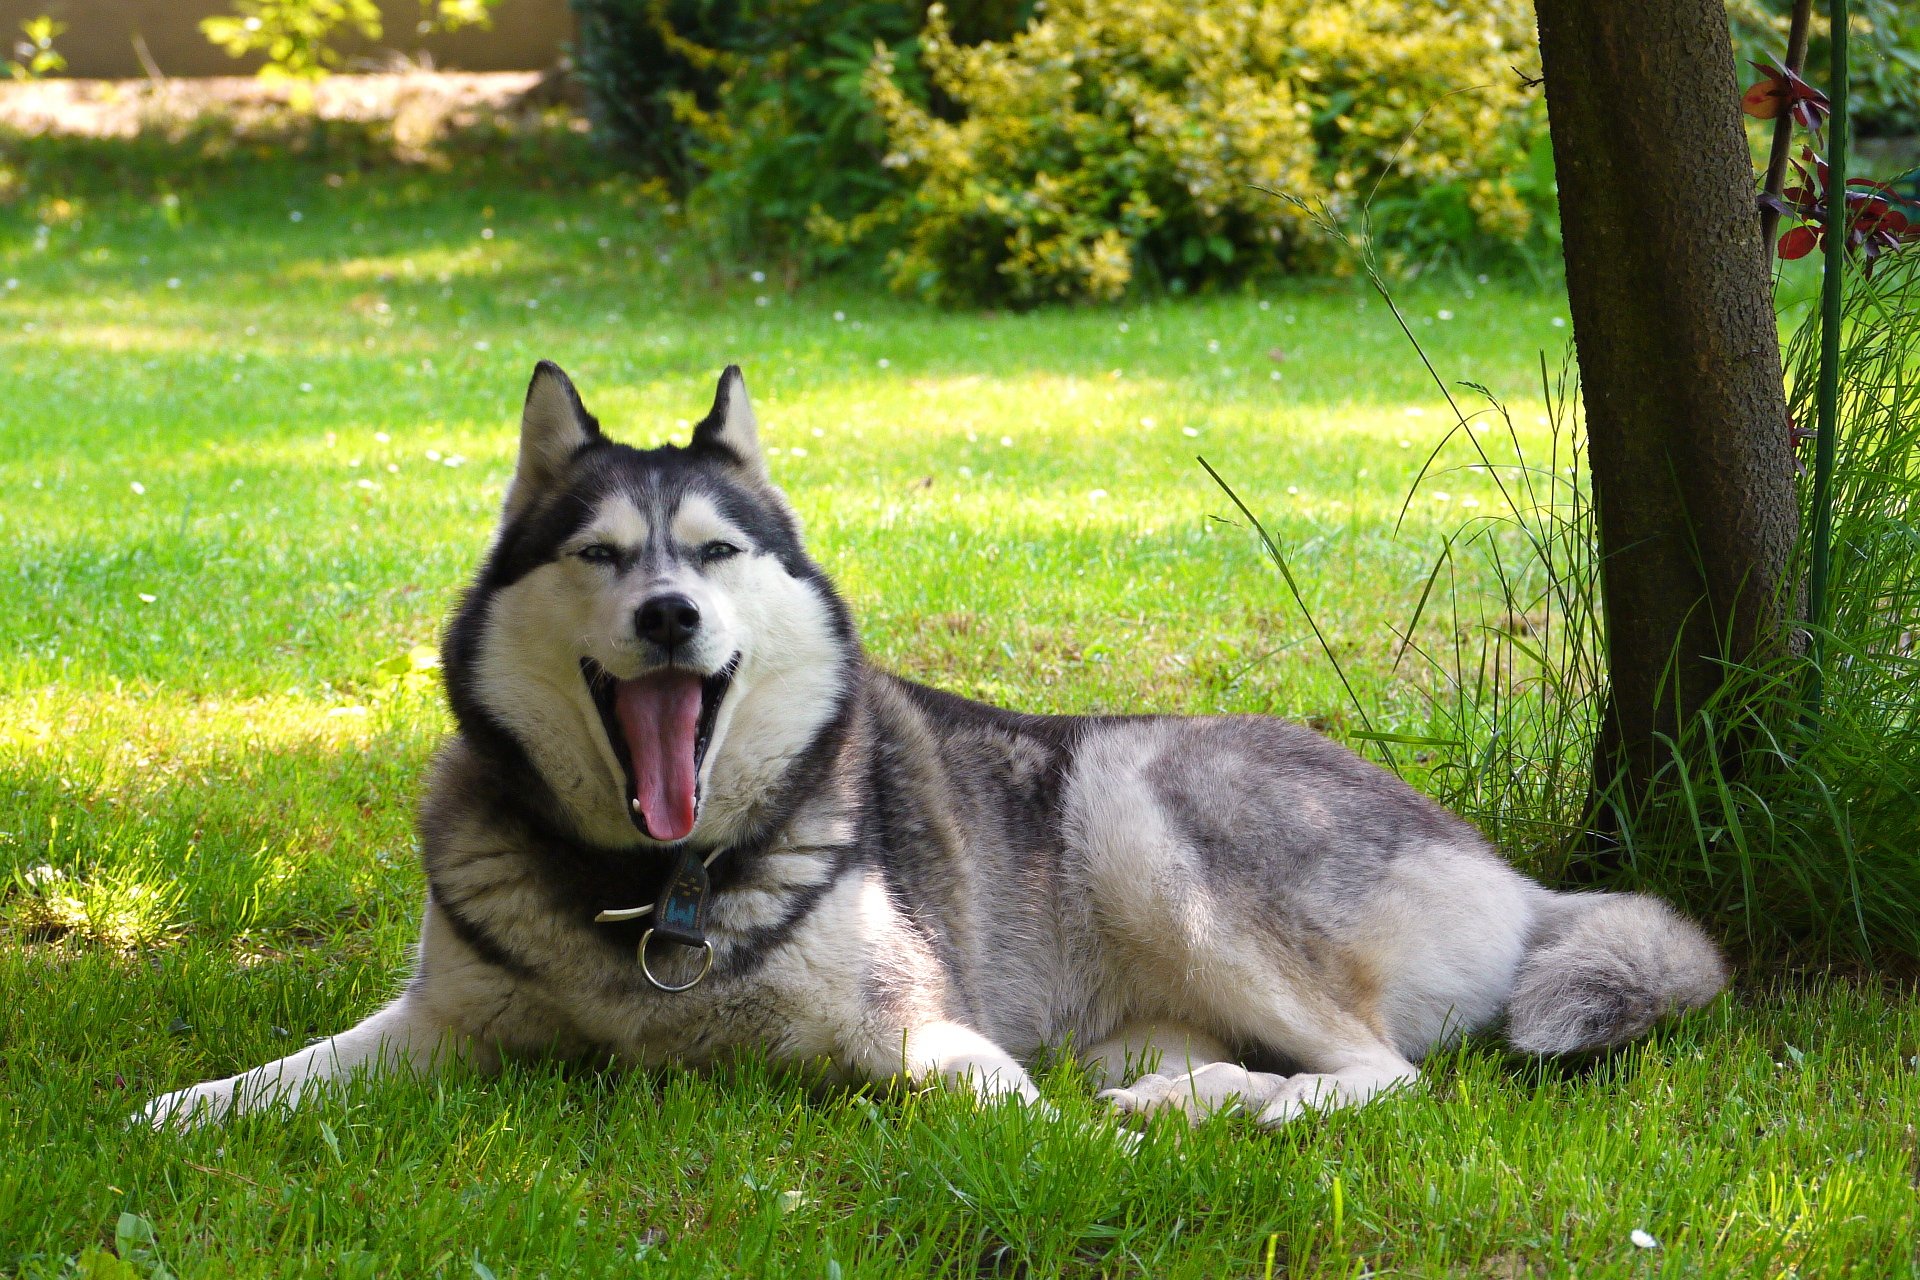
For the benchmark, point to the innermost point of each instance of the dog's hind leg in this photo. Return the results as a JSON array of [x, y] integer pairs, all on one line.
[[1141, 1047], [1345, 1064]]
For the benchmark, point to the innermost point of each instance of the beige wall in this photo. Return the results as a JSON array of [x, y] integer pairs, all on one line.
[[526, 35]]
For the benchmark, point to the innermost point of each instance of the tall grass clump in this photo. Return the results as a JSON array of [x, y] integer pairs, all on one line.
[[1505, 644], [1811, 852], [1793, 824]]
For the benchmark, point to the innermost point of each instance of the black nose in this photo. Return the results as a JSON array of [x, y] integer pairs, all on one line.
[[667, 620]]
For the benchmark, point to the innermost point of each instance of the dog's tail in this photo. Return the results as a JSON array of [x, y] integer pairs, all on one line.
[[1602, 968]]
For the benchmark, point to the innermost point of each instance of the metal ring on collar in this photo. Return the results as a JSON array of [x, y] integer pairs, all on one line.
[[705, 968]]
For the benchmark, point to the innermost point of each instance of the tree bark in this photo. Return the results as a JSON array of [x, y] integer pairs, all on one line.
[[1679, 361]]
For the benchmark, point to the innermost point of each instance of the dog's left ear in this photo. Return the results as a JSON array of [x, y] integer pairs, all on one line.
[[729, 427], [554, 426]]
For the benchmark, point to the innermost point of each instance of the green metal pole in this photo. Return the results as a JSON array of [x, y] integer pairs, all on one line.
[[1827, 390]]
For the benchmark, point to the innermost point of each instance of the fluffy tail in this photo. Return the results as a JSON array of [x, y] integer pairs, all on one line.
[[1601, 969]]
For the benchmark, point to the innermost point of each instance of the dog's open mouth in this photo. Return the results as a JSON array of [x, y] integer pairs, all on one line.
[[660, 725]]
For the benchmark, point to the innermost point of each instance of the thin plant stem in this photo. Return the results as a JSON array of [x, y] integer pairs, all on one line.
[[1827, 393], [1783, 126]]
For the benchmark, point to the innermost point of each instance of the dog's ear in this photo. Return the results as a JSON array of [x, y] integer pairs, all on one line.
[[729, 427], [553, 427]]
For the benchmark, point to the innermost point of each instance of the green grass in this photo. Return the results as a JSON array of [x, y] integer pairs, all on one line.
[[226, 531]]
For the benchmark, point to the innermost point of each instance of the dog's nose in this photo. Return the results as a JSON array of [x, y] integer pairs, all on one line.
[[667, 620]]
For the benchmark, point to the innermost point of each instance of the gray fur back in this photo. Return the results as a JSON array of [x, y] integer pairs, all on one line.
[[1603, 968]]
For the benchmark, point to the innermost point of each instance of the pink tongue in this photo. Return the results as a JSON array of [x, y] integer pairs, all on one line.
[[660, 714]]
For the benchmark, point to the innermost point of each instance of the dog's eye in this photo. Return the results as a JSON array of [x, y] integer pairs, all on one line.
[[598, 553], [714, 551]]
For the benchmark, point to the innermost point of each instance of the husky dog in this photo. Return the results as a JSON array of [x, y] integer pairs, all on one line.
[[684, 816]]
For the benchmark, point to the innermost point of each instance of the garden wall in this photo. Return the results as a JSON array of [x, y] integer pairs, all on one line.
[[526, 35]]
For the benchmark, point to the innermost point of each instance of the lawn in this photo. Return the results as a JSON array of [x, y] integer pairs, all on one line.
[[254, 425]]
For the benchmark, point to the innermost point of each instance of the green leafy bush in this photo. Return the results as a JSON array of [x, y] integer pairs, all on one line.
[[298, 37], [35, 55], [1112, 141], [754, 109]]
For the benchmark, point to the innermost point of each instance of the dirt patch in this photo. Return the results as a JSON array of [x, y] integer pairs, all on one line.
[[418, 106]]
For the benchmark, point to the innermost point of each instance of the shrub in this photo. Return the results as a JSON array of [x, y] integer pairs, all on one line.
[[754, 109], [298, 37], [1112, 141]]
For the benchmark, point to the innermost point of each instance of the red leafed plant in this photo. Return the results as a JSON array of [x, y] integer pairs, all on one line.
[[1783, 90], [1875, 223]]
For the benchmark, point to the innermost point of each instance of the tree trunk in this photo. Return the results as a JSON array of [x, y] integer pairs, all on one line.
[[1679, 360]]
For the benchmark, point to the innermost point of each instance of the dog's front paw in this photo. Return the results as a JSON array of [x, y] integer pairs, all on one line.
[[187, 1109]]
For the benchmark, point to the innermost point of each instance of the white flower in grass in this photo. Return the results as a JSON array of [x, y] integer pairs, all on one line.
[[453, 460], [839, 316], [1469, 501], [482, 345], [1006, 442], [1641, 1240], [306, 386], [763, 301], [173, 282], [137, 487], [1441, 495], [1147, 423], [796, 452], [885, 363], [433, 455], [1096, 495], [383, 437], [147, 599], [295, 216], [1445, 314], [758, 277], [1190, 432], [1559, 322], [365, 483]]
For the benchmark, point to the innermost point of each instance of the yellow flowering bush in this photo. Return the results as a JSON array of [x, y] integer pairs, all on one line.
[[1113, 141]]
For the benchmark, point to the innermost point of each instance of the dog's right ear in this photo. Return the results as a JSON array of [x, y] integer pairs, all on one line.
[[554, 426]]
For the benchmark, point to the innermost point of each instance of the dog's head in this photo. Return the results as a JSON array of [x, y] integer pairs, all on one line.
[[647, 629]]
